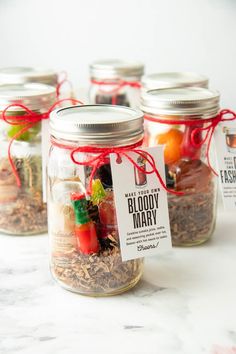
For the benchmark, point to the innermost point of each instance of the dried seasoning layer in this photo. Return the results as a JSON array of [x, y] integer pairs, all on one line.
[[85, 249], [96, 274], [192, 217], [22, 211], [26, 216]]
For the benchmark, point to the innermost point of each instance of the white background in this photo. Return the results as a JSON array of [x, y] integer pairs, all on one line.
[[195, 35]]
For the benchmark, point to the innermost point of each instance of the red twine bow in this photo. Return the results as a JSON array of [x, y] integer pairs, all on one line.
[[27, 121], [118, 85], [103, 153], [209, 129]]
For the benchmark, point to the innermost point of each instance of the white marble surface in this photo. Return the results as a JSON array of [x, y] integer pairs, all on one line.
[[185, 304]]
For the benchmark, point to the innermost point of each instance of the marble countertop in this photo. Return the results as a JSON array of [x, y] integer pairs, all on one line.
[[185, 303]]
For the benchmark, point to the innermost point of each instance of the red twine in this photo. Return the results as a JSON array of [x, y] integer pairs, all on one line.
[[103, 153], [61, 82], [209, 129], [118, 85], [27, 120]]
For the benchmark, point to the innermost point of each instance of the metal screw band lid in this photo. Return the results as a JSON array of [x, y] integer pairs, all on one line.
[[173, 80], [34, 96], [22, 75], [191, 101], [116, 69], [97, 124]]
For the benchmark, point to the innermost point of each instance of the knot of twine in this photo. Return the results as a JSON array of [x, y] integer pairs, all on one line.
[[27, 121]]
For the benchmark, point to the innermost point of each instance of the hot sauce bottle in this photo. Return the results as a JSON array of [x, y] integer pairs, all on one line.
[[85, 231]]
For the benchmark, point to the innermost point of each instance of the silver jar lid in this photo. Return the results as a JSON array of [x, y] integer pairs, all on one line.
[[191, 101], [115, 69], [22, 75], [173, 80], [97, 124], [34, 96]]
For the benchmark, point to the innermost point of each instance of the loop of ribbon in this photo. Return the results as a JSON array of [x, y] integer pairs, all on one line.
[[118, 85], [103, 153], [223, 115], [61, 82], [27, 121]]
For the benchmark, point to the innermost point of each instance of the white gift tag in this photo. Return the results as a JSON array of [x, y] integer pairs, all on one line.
[[45, 153], [225, 143], [141, 206]]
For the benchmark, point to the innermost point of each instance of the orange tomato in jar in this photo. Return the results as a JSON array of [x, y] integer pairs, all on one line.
[[172, 140]]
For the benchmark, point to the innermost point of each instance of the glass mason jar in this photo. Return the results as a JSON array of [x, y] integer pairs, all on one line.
[[181, 114], [84, 238], [115, 82], [22, 210]]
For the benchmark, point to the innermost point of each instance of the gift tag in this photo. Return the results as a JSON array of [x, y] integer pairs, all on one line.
[[225, 143], [141, 205]]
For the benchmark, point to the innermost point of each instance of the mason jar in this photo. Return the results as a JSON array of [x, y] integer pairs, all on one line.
[[184, 116], [115, 82], [84, 238], [22, 210]]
